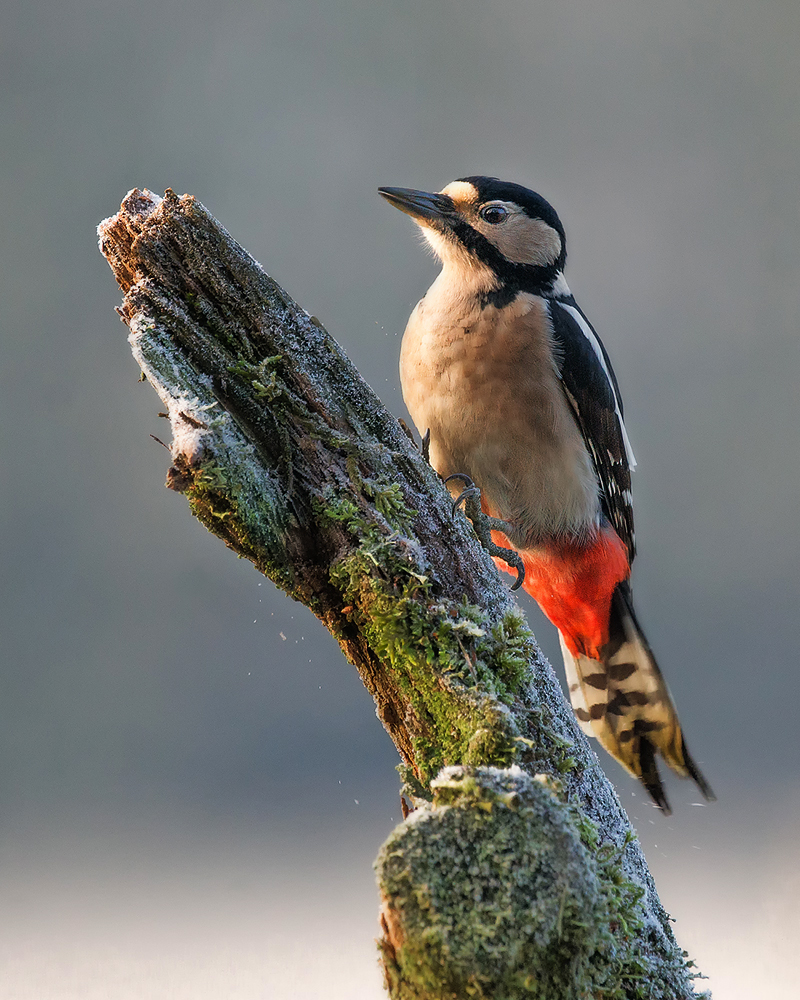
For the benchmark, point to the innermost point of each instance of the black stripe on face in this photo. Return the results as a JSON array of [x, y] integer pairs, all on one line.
[[512, 278]]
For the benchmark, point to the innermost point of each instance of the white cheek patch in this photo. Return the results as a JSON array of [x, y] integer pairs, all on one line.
[[523, 240]]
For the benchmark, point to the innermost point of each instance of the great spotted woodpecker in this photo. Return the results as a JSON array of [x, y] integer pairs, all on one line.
[[504, 371]]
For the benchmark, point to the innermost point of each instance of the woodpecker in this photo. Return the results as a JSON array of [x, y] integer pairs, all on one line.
[[504, 372]]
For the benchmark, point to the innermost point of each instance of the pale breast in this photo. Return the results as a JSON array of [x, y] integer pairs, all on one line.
[[484, 382]]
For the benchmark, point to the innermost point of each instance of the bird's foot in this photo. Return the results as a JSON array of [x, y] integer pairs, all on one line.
[[484, 525]]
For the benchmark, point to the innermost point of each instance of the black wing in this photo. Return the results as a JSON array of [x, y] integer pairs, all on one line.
[[591, 388]]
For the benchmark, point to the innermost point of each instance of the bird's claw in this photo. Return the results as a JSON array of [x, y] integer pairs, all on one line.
[[470, 496], [513, 559], [470, 490], [462, 476]]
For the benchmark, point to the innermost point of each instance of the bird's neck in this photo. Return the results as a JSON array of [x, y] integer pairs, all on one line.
[[460, 287], [463, 282]]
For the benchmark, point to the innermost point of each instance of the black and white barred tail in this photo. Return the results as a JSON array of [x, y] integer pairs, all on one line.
[[624, 702]]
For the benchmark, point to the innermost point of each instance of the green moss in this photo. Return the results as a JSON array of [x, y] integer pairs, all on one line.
[[513, 640], [458, 673], [388, 500], [263, 377], [218, 506], [212, 477], [546, 744], [490, 893], [499, 890]]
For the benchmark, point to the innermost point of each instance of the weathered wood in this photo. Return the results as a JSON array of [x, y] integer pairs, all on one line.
[[285, 453]]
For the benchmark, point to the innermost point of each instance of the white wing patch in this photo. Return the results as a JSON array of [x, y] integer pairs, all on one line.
[[587, 331], [560, 287]]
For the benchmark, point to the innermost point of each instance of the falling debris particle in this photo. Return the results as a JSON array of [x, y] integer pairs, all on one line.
[[282, 636]]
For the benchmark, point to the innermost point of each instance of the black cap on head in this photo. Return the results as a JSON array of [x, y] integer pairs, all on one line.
[[492, 189]]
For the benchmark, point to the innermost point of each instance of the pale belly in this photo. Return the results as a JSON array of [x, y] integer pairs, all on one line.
[[484, 383]]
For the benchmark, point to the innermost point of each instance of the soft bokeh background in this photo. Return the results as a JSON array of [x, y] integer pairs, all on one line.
[[193, 784]]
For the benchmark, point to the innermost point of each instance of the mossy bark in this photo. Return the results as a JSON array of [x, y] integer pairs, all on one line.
[[285, 453], [499, 890]]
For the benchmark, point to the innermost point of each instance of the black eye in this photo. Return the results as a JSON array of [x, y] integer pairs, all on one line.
[[494, 214]]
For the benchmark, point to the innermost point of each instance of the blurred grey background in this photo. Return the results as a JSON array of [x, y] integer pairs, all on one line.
[[193, 783]]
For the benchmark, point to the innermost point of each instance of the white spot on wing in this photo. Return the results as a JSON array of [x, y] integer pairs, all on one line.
[[590, 335]]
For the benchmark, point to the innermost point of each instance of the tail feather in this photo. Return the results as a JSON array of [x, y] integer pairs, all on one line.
[[623, 700]]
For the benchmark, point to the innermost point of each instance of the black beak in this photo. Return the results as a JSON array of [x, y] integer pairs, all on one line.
[[421, 205]]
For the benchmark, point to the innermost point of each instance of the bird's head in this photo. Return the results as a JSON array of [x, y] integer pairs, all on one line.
[[481, 222]]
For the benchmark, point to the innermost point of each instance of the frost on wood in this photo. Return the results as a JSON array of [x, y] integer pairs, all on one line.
[[283, 451]]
